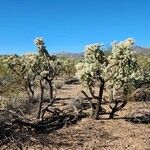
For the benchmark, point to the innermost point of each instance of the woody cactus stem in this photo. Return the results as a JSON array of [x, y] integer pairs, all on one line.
[[50, 90], [116, 108], [41, 99], [99, 100]]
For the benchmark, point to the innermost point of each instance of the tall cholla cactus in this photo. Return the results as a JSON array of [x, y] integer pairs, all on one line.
[[91, 71], [47, 68], [39, 42], [47, 65], [123, 56], [44, 65], [115, 70]]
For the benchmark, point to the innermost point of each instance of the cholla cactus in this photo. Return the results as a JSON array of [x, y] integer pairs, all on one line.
[[69, 66], [115, 70], [94, 53], [92, 66], [123, 56], [91, 70], [20, 64], [142, 76], [39, 42], [123, 48], [23, 66], [47, 67]]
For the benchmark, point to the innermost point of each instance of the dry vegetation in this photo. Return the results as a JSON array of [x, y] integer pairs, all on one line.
[[88, 134], [98, 101]]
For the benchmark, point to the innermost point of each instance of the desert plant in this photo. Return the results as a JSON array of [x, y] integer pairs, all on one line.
[[47, 67], [115, 70], [22, 66], [69, 67]]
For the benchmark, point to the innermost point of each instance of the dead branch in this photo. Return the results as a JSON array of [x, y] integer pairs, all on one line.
[[118, 105], [87, 97], [54, 111]]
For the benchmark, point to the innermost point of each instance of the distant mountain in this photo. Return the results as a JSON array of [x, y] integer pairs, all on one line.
[[69, 54], [142, 50], [138, 49]]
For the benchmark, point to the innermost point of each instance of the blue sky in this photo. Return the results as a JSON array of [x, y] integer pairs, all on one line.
[[69, 25]]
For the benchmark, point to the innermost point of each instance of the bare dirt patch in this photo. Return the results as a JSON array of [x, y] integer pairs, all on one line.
[[89, 134]]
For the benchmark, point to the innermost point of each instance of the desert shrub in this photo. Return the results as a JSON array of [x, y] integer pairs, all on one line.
[[69, 67], [71, 80], [58, 85], [143, 74], [21, 67], [140, 116], [10, 84], [140, 94], [33, 71]]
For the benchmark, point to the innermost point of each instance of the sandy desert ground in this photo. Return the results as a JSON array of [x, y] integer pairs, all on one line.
[[89, 134]]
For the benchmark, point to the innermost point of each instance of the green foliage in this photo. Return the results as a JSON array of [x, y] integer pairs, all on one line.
[[144, 65], [8, 82]]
